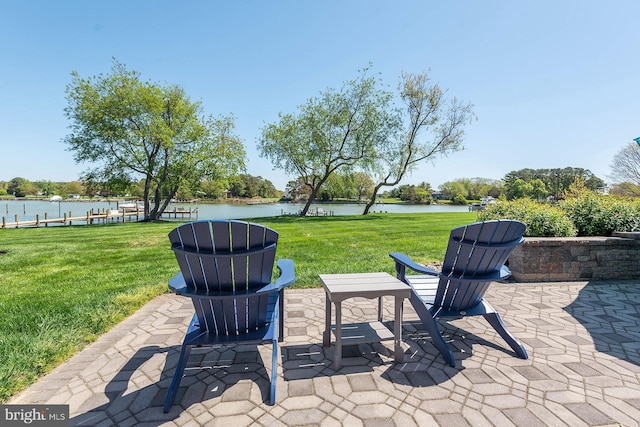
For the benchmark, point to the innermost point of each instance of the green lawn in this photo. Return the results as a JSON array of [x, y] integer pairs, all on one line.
[[64, 286]]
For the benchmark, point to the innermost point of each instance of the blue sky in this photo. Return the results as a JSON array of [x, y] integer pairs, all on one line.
[[554, 83]]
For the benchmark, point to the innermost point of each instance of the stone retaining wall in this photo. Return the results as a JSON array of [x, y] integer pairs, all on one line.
[[550, 259]]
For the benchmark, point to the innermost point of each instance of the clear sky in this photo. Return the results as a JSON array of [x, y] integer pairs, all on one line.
[[554, 83]]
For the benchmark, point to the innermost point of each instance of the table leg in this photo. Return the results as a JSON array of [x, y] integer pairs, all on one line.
[[337, 356], [380, 309], [326, 336], [397, 330]]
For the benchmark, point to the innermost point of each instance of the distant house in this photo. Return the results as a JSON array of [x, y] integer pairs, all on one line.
[[74, 196], [437, 195]]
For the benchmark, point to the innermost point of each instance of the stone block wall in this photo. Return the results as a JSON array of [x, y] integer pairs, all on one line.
[[550, 259]]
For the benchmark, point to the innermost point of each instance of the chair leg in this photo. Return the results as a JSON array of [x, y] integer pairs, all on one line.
[[432, 327], [495, 321], [177, 377], [281, 316], [274, 372]]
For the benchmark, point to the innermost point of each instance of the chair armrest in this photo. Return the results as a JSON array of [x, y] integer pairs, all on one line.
[[177, 284], [287, 273], [404, 260], [502, 274], [287, 276]]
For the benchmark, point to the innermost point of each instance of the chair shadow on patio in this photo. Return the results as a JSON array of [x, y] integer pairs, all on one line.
[[230, 371], [209, 373], [610, 312], [421, 368]]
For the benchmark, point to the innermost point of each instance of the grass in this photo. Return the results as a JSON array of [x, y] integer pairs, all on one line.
[[65, 286]]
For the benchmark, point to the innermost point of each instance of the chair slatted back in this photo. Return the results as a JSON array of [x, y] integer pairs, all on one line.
[[229, 260], [475, 250]]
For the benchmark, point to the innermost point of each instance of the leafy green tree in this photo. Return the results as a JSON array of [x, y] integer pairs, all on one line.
[[425, 193], [623, 189], [296, 190], [245, 185], [407, 193], [472, 188], [538, 189], [519, 189], [459, 199], [214, 189], [334, 187], [266, 188], [435, 128], [419, 194], [237, 188], [21, 187], [556, 181], [363, 185], [252, 185], [396, 192], [493, 188], [47, 188], [332, 132], [478, 188], [134, 130], [72, 187], [450, 189]]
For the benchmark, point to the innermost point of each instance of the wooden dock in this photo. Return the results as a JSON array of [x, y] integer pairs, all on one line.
[[102, 217]]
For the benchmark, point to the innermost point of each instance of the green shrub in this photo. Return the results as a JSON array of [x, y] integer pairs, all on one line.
[[586, 214], [598, 215], [459, 199], [542, 220]]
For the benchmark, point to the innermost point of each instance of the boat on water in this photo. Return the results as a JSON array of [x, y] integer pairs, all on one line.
[[55, 199], [484, 202], [131, 206]]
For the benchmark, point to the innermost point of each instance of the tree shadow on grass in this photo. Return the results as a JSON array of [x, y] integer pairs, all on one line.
[[610, 311]]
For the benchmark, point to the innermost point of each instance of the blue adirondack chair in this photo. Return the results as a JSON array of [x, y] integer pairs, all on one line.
[[475, 257], [226, 269]]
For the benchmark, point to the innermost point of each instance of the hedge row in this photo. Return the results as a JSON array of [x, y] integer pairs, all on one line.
[[587, 215]]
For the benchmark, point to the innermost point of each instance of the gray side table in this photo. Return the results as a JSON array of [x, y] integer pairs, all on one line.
[[339, 287]]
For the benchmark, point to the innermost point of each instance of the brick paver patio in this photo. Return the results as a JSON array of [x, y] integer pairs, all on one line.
[[583, 340]]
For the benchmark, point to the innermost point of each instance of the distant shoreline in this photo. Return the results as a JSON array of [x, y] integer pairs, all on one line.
[[239, 201]]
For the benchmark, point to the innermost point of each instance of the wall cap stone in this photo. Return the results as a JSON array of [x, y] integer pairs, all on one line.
[[565, 241], [627, 234]]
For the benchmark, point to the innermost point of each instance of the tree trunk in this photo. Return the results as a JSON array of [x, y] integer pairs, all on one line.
[[166, 202], [153, 216], [145, 195], [307, 205], [312, 196], [372, 200], [368, 205]]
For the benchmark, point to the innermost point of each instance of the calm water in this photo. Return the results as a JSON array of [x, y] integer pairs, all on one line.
[[27, 210]]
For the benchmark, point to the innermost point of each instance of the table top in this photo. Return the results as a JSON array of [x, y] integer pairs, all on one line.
[[368, 285]]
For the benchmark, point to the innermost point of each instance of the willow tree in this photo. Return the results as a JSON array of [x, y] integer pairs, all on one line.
[[131, 130], [433, 124], [334, 131]]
